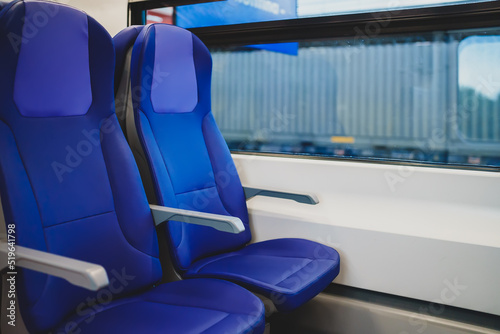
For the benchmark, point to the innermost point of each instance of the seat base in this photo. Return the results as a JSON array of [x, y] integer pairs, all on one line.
[[288, 271], [189, 306]]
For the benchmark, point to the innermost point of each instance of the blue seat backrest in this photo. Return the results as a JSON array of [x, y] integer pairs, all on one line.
[[190, 163], [68, 180]]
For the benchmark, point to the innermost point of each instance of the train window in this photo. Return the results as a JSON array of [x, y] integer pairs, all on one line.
[[380, 98], [425, 95]]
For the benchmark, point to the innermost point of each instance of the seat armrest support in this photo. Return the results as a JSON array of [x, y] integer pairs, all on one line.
[[83, 274], [301, 198], [223, 223]]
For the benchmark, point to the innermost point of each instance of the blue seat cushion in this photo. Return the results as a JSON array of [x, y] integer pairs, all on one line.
[[288, 271], [189, 306]]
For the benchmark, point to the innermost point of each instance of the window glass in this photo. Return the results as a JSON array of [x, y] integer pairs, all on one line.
[[245, 11], [430, 98], [479, 90], [307, 8], [234, 12], [411, 98]]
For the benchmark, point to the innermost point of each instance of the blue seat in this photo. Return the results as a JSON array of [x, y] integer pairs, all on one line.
[[69, 184], [163, 78]]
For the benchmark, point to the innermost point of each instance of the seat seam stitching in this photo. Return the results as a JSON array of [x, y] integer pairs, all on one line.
[[36, 201], [217, 259], [190, 306], [159, 193], [239, 254], [77, 219], [190, 191], [113, 197], [231, 277], [211, 163], [296, 271], [218, 322]]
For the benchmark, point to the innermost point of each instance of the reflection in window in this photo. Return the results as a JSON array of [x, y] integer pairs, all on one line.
[[479, 89], [327, 7], [234, 12], [160, 15], [383, 98]]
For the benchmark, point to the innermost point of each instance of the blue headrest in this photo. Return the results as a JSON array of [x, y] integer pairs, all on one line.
[[57, 81], [173, 58]]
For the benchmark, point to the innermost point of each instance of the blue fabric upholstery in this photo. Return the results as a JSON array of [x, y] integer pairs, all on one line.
[[187, 181], [288, 271], [191, 168], [69, 183], [206, 306], [179, 93]]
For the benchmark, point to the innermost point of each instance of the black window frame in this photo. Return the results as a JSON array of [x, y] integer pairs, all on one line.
[[481, 15]]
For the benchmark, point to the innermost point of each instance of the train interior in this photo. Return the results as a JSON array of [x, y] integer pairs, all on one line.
[[250, 166]]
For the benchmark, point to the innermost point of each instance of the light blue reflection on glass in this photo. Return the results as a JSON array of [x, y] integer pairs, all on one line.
[[328, 7], [479, 65]]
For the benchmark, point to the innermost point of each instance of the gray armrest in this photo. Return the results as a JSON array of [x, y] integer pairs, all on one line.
[[301, 198], [223, 223], [84, 274]]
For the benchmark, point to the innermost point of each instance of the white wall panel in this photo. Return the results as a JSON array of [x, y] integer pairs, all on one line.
[[425, 233], [112, 14]]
